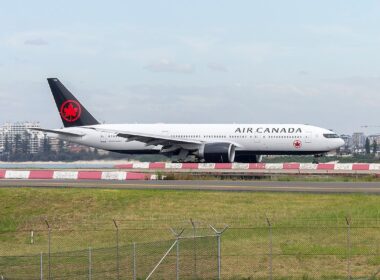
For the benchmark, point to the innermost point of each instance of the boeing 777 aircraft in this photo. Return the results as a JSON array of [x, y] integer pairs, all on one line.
[[207, 142]]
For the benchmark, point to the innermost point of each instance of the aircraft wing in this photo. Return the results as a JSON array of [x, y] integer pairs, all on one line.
[[150, 139], [65, 133]]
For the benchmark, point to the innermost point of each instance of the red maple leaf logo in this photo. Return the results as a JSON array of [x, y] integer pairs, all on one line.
[[70, 110], [297, 144]]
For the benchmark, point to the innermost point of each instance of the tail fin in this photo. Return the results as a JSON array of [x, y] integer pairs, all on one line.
[[72, 112]]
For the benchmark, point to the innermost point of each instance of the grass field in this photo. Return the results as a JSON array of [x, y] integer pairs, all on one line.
[[26, 208], [309, 230]]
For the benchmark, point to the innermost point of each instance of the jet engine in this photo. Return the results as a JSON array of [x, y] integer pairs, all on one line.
[[217, 152], [248, 157]]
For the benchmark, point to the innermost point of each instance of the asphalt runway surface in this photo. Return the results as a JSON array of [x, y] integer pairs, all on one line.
[[206, 185]]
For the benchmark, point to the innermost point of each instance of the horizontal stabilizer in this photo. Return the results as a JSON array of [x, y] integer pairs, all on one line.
[[65, 133]]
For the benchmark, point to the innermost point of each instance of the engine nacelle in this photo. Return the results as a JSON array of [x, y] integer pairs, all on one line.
[[248, 158], [217, 152]]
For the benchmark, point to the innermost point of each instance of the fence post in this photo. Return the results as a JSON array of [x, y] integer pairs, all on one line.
[[134, 261], [177, 235], [177, 261], [117, 249], [194, 248], [41, 267], [270, 249], [49, 249], [218, 236], [348, 222], [89, 263]]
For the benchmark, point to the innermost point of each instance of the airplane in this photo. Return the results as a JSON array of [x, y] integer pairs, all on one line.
[[203, 142]]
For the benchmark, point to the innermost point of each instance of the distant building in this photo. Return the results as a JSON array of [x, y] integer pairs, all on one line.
[[374, 137], [77, 148], [358, 140], [10, 133], [18, 142], [347, 147], [55, 144]]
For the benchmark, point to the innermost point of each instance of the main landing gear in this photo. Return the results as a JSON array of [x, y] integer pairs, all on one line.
[[316, 157]]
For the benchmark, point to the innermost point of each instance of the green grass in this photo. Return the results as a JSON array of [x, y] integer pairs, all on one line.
[[309, 230], [326, 178], [341, 159], [26, 208], [274, 177]]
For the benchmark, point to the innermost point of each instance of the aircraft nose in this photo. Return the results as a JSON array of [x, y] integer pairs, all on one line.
[[340, 142]]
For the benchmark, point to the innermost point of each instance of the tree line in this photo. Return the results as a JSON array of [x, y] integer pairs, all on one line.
[[22, 148], [370, 148]]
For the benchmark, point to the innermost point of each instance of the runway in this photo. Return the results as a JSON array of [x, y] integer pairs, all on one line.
[[205, 185]]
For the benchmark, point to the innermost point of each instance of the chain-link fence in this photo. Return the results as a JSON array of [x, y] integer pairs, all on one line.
[[194, 257], [303, 249], [317, 251]]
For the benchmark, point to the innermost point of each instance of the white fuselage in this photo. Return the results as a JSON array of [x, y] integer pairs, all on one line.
[[260, 138]]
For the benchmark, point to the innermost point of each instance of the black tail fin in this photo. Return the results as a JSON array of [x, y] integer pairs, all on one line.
[[72, 112]]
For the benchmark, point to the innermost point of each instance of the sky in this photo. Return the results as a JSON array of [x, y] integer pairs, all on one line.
[[209, 61]]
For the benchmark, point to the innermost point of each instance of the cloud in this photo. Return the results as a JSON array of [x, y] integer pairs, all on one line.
[[165, 65], [329, 30], [303, 72], [258, 52], [341, 104], [67, 42], [36, 42], [199, 44], [217, 67], [30, 38]]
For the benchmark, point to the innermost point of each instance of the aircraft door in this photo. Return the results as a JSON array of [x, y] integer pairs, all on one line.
[[103, 138], [308, 137], [257, 138]]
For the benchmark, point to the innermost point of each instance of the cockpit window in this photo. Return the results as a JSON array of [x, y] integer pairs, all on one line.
[[330, 135]]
